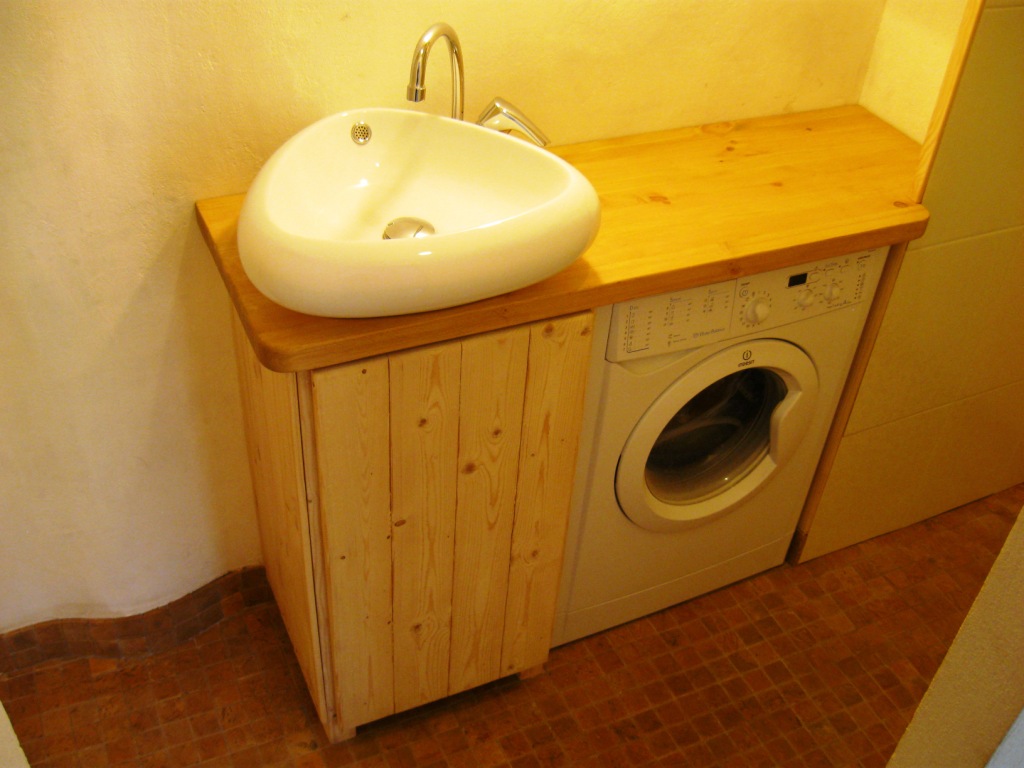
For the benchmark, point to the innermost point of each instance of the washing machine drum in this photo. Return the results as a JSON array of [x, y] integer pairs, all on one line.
[[716, 435]]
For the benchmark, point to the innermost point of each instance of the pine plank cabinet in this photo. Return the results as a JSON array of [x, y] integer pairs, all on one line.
[[413, 473], [413, 509]]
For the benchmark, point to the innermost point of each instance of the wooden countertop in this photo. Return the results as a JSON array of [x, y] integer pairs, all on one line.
[[679, 208]]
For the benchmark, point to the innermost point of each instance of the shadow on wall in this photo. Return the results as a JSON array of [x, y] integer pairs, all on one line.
[[188, 415], [150, 447]]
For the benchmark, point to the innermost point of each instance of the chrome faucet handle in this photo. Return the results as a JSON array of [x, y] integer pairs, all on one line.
[[503, 116]]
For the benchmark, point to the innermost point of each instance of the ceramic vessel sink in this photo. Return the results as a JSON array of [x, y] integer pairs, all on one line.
[[504, 214]]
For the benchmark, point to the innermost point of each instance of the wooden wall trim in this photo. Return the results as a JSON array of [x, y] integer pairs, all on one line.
[[154, 631]]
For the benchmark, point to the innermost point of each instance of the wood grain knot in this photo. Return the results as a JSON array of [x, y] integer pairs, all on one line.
[[901, 204], [469, 468], [398, 523], [423, 422]]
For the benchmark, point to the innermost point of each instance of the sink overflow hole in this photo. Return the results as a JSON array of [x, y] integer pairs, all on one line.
[[361, 133]]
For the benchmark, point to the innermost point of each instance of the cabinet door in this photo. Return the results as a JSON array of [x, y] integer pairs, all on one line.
[[552, 417], [490, 424], [445, 474], [425, 385]]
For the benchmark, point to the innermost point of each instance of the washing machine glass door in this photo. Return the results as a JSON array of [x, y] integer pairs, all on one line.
[[716, 435]]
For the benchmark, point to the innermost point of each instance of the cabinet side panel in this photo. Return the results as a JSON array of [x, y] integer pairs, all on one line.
[[552, 417], [350, 406], [273, 436], [493, 381], [424, 451]]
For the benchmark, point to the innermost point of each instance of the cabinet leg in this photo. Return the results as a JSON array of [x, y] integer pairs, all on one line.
[[337, 733]]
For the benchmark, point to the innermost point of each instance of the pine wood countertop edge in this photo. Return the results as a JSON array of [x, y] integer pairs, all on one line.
[[680, 208]]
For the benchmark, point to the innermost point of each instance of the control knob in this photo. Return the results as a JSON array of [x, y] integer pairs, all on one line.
[[756, 310], [805, 298], [833, 292]]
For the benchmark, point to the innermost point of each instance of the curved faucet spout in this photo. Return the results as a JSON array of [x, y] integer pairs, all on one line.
[[416, 90]]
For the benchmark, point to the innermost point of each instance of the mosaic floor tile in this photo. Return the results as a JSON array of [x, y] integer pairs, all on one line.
[[820, 664]]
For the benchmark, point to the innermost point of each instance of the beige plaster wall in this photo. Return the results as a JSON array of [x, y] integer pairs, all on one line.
[[11, 754], [909, 61], [939, 417], [122, 467]]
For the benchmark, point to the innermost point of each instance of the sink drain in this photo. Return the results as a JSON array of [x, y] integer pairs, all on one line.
[[407, 226], [360, 132]]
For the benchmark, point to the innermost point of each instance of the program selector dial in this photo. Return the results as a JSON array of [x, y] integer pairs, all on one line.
[[757, 309]]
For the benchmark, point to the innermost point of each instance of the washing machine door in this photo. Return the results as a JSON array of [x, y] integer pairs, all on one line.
[[716, 435]]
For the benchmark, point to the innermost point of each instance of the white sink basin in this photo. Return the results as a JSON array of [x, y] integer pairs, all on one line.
[[506, 214]]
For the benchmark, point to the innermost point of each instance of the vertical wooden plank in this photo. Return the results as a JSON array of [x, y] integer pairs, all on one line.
[[350, 413], [424, 451], [273, 436], [310, 468], [552, 416], [491, 403]]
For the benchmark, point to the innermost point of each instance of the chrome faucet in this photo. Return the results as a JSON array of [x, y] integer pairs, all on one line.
[[417, 90], [504, 116]]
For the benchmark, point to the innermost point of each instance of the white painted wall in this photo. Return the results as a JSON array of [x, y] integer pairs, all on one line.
[[909, 62], [11, 754], [939, 416], [123, 481]]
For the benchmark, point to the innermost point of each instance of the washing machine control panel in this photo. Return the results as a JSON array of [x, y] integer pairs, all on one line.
[[698, 316]]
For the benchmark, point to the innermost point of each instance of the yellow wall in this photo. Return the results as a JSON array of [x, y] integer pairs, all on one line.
[[939, 417], [123, 467], [909, 61]]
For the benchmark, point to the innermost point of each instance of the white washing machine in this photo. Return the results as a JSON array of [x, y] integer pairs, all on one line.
[[705, 419]]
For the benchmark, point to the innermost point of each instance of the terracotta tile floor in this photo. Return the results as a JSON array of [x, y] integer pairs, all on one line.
[[815, 665]]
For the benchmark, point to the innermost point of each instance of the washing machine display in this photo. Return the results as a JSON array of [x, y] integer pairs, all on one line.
[[705, 419]]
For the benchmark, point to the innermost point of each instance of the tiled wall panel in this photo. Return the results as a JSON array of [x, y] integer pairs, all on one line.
[[939, 419]]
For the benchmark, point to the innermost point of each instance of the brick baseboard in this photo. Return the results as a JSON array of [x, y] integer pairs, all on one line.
[[150, 632]]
